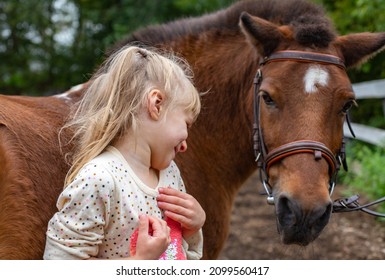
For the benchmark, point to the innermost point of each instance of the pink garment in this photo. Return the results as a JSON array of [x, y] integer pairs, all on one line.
[[174, 251]]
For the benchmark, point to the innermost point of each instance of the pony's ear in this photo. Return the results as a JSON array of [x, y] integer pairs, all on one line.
[[358, 48], [264, 35]]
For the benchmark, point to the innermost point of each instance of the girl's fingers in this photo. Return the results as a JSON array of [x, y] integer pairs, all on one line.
[[177, 208], [159, 227], [143, 224], [175, 197], [183, 208], [183, 220], [153, 237], [173, 192]]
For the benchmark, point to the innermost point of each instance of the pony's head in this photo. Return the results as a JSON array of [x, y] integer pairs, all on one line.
[[302, 97]]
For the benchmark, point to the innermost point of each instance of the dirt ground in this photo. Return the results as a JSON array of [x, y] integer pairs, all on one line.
[[253, 235]]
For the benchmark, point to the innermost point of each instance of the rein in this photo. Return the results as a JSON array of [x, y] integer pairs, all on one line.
[[351, 204], [265, 159]]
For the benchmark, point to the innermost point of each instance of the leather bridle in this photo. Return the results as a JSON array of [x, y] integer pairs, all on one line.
[[265, 159]]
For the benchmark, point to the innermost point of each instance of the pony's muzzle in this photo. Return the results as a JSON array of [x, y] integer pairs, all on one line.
[[298, 226]]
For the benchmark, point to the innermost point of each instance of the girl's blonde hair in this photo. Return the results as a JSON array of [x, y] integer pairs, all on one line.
[[116, 95]]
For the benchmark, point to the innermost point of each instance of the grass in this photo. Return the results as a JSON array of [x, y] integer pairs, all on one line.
[[366, 175]]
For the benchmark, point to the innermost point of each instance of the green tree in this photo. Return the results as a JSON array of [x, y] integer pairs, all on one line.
[[46, 46], [23, 51]]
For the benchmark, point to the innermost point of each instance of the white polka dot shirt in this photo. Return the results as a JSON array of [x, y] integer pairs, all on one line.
[[99, 210]]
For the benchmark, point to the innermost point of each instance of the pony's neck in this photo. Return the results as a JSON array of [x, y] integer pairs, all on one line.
[[222, 134]]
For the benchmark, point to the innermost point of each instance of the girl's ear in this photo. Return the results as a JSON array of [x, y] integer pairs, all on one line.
[[155, 102]]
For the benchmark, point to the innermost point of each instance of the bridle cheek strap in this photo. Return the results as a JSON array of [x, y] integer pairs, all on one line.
[[318, 149]]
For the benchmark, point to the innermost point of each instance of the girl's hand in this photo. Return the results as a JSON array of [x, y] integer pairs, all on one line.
[[153, 238], [183, 208]]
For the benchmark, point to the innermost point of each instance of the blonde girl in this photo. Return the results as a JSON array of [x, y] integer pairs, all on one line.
[[124, 197]]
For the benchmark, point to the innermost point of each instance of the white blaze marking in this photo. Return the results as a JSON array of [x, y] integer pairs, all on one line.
[[315, 77]]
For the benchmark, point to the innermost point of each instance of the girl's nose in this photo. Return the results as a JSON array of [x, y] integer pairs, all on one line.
[[183, 147]]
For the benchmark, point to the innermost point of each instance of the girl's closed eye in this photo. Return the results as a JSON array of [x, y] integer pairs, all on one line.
[[189, 122]]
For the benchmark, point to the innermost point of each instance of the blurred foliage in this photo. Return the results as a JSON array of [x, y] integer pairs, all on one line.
[[366, 174], [47, 46]]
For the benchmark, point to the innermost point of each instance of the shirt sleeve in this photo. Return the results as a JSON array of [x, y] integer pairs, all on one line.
[[193, 246], [77, 229]]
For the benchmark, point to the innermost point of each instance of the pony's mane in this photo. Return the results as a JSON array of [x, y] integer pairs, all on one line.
[[311, 26]]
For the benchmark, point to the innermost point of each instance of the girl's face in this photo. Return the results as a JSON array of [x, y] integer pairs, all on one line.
[[170, 137]]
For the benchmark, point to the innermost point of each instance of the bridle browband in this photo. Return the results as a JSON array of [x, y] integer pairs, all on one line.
[[302, 56], [320, 151]]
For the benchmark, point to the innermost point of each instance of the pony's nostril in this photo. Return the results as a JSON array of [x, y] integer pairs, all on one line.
[[286, 211], [322, 216], [299, 226]]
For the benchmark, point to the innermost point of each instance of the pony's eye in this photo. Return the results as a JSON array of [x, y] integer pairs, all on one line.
[[267, 99], [348, 105]]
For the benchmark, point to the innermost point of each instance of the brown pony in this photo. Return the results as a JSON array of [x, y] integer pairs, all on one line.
[[298, 112]]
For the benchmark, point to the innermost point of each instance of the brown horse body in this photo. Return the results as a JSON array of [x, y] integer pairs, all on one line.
[[301, 100], [31, 172]]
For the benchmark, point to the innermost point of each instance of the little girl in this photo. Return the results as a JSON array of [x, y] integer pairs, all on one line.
[[124, 196]]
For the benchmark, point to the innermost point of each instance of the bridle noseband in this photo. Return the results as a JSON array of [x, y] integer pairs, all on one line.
[[320, 151]]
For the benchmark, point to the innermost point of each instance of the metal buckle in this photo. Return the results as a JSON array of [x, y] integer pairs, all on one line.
[[270, 197]]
